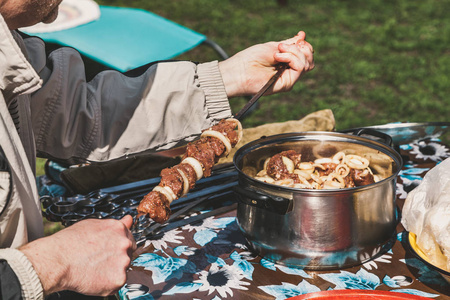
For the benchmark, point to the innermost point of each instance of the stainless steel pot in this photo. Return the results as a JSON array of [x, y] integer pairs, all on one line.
[[318, 229]]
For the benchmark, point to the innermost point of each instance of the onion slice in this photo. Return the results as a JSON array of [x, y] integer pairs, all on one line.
[[334, 177], [340, 156], [221, 137], [306, 166], [302, 174], [185, 182], [326, 160], [198, 167], [166, 191], [356, 162], [342, 169], [288, 163], [239, 127], [267, 179]]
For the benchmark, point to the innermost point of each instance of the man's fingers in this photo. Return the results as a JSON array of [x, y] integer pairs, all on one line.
[[301, 35], [295, 55], [307, 50], [127, 221]]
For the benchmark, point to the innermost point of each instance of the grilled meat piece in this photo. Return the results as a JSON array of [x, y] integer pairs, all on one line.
[[156, 206]]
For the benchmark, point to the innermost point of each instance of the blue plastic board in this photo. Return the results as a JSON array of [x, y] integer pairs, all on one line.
[[126, 38]]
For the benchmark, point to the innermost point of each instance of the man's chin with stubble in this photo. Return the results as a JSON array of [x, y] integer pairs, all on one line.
[[51, 16]]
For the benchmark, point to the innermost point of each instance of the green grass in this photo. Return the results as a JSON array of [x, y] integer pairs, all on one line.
[[376, 61], [40, 162]]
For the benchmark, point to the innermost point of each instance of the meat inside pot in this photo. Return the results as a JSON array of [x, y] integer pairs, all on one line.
[[335, 172]]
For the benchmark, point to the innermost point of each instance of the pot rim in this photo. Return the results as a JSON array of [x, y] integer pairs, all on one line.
[[317, 136]]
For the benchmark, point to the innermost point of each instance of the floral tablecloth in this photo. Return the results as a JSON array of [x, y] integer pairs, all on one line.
[[211, 259]]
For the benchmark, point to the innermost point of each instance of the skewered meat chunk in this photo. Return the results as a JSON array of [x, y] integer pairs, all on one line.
[[156, 206], [203, 152], [173, 179], [198, 160], [189, 171]]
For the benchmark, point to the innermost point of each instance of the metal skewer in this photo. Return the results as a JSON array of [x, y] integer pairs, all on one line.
[[252, 101]]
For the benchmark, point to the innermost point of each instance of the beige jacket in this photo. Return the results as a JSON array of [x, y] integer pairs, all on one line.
[[59, 115]]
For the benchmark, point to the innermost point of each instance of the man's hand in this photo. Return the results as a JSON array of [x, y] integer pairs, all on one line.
[[247, 71], [90, 257]]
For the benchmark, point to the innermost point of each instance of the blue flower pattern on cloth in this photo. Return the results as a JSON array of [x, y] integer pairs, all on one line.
[[397, 281], [208, 230], [184, 250], [184, 288], [362, 280], [222, 277], [226, 274], [135, 291], [287, 290], [164, 268], [288, 270], [372, 264], [236, 272], [242, 264], [222, 280]]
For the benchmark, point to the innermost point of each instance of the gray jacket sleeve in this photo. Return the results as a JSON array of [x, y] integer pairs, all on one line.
[[22, 280], [9, 283], [114, 116]]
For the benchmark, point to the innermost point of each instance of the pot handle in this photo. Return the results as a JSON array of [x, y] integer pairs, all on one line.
[[272, 203], [385, 138]]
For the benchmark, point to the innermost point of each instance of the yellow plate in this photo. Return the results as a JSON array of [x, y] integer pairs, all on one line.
[[412, 241]]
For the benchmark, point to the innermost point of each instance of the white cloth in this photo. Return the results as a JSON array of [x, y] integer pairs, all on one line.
[[18, 81], [426, 213], [71, 13]]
